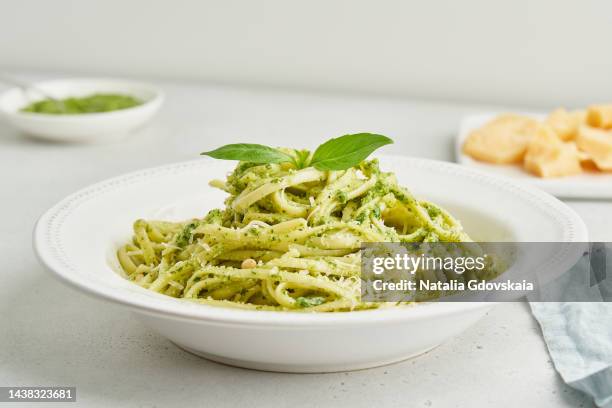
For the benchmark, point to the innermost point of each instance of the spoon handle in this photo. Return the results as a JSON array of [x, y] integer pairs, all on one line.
[[25, 86]]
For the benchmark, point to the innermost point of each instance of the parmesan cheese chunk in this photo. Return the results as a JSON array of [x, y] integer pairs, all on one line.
[[547, 156], [597, 144], [502, 140]]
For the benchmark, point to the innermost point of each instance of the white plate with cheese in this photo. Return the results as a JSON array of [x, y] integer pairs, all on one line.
[[589, 184]]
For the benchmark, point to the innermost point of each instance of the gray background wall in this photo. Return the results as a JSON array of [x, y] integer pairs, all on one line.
[[532, 53]]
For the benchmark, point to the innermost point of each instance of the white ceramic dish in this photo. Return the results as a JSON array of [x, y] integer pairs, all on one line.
[[78, 237], [91, 127], [586, 185]]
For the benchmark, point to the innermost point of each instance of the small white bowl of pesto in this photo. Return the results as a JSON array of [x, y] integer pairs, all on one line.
[[81, 110]]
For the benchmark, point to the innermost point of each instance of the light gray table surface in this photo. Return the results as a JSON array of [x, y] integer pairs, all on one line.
[[53, 335]]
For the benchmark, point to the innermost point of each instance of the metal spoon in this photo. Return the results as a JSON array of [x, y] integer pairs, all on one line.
[[26, 86]]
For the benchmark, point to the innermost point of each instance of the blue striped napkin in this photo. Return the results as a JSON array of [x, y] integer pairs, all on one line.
[[579, 334]]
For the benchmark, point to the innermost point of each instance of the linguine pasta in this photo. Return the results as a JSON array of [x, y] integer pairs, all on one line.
[[287, 239]]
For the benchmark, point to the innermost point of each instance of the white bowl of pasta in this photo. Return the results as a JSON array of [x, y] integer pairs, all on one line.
[[144, 266]]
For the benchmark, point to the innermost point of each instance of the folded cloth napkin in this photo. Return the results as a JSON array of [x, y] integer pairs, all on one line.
[[579, 334]]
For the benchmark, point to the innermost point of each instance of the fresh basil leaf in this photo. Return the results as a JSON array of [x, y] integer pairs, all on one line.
[[347, 151], [248, 152]]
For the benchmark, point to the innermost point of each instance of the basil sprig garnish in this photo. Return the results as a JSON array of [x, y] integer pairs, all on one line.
[[338, 153]]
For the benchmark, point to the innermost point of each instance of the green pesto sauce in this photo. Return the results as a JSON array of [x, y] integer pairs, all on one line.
[[89, 104]]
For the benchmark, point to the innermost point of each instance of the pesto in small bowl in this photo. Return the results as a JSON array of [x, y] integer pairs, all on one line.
[[94, 103]]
